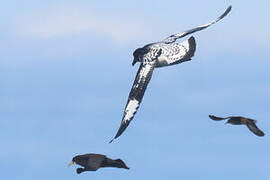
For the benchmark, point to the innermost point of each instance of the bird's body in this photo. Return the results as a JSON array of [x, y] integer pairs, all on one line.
[[175, 53], [92, 162], [160, 54], [165, 54], [239, 120]]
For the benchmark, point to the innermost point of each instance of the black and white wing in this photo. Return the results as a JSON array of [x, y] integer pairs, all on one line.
[[135, 97], [176, 53], [252, 127], [174, 37]]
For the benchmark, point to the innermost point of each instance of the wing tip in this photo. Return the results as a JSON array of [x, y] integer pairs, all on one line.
[[259, 133], [253, 128], [226, 12], [215, 118], [119, 132], [211, 117]]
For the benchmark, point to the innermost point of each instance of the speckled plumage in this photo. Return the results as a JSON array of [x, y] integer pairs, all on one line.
[[160, 54]]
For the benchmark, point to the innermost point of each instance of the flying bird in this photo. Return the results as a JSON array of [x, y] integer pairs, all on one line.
[[239, 120], [92, 162], [160, 54]]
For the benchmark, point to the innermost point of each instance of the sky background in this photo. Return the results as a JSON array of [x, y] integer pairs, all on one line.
[[65, 75]]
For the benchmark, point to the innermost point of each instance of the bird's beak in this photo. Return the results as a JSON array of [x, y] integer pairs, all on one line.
[[134, 62], [69, 164]]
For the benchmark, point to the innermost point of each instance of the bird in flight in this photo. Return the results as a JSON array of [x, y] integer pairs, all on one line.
[[160, 54], [92, 162], [239, 120]]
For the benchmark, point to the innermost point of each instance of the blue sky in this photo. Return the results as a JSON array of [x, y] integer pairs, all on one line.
[[65, 74]]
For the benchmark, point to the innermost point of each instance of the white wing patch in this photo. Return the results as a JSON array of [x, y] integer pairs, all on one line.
[[176, 53], [131, 109], [135, 97], [185, 44]]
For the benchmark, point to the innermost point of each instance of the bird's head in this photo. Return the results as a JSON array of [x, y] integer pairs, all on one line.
[[137, 54], [81, 160]]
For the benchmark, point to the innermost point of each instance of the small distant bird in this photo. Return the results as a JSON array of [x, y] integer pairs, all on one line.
[[92, 162], [239, 120], [160, 54]]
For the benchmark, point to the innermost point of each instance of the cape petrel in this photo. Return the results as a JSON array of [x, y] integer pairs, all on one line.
[[160, 54], [239, 120], [92, 162]]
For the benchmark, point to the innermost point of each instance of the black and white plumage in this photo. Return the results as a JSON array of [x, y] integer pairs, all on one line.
[[92, 162], [239, 120], [164, 53]]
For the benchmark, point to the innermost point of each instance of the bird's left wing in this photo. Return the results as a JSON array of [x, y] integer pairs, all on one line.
[[215, 118], [135, 97], [252, 127], [174, 37]]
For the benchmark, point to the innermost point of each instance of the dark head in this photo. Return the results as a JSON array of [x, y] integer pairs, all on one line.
[[137, 54], [80, 159]]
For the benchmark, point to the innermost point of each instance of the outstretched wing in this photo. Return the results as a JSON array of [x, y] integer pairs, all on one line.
[[174, 37], [215, 118], [135, 97], [252, 127]]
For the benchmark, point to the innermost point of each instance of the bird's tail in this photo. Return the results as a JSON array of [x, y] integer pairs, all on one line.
[[114, 163], [121, 164], [217, 118]]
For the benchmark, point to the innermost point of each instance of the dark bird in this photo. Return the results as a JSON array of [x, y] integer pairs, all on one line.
[[92, 162], [239, 120], [160, 54]]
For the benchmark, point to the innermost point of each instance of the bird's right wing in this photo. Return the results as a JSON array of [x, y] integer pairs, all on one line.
[[135, 97], [174, 37], [215, 118], [252, 127]]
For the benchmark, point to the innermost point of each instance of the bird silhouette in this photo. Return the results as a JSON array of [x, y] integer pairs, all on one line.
[[92, 162], [160, 54], [239, 120]]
